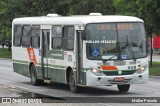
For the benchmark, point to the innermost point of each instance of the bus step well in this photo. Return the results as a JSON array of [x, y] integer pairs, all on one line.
[[47, 81]]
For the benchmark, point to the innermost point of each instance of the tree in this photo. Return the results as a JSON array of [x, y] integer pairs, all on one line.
[[82, 7], [148, 10], [10, 9]]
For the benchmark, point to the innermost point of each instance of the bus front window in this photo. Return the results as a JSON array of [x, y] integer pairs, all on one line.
[[115, 41], [101, 41]]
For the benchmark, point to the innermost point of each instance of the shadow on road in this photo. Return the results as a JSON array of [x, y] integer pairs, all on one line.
[[86, 91]]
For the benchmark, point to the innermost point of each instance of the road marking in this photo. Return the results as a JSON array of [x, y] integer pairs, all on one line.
[[5, 69]]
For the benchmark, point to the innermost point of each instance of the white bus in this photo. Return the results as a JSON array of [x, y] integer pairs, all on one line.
[[81, 50]]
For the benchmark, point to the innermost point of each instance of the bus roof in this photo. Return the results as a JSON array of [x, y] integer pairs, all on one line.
[[74, 20]]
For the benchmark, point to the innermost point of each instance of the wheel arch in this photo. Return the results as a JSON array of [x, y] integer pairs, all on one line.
[[68, 70], [30, 64]]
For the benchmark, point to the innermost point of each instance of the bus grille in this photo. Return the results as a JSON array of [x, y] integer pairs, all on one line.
[[124, 72]]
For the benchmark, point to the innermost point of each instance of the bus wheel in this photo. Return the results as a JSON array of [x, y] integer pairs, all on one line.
[[34, 80], [123, 88], [72, 83]]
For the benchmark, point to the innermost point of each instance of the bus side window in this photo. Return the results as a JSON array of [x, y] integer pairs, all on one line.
[[56, 37], [17, 35], [68, 37], [35, 37], [26, 38]]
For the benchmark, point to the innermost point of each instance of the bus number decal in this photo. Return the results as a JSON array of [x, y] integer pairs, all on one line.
[[131, 67]]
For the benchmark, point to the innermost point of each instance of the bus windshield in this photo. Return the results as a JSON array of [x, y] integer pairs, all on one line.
[[115, 41]]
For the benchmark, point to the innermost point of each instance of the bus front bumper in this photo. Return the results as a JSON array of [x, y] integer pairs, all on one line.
[[93, 80]]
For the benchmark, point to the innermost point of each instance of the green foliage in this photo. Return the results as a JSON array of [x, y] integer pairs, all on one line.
[[148, 10], [126, 7], [154, 70], [5, 53], [82, 7], [10, 9]]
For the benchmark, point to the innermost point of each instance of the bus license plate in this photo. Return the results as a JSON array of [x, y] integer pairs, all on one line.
[[119, 79]]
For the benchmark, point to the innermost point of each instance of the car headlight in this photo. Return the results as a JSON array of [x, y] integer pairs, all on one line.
[[141, 69], [96, 71]]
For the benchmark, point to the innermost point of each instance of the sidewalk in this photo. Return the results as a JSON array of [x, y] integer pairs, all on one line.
[[5, 59], [151, 76], [155, 58]]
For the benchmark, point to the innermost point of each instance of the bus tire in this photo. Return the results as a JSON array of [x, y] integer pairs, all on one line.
[[72, 83], [33, 75], [123, 88]]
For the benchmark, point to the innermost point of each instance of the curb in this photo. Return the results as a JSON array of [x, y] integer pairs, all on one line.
[[152, 76], [5, 59]]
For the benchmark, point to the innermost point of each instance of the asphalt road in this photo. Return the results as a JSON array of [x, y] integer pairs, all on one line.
[[21, 87]]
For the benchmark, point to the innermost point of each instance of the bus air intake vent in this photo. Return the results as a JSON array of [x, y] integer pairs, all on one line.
[[124, 72]]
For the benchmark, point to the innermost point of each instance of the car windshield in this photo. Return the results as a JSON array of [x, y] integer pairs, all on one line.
[[115, 41]]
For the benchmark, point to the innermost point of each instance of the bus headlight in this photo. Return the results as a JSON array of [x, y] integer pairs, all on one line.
[[96, 71], [141, 69]]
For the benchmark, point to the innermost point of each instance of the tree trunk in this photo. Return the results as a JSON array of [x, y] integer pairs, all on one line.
[[3, 45], [9, 46], [151, 53]]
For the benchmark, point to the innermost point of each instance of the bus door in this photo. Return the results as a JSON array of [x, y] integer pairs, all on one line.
[[79, 56], [45, 52]]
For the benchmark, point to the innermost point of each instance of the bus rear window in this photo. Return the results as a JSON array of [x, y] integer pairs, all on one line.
[[17, 35]]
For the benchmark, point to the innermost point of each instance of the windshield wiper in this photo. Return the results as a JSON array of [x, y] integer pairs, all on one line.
[[131, 50], [104, 60], [112, 57], [129, 44]]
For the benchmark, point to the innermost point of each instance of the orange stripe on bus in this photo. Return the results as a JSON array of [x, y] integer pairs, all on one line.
[[32, 56], [109, 67]]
